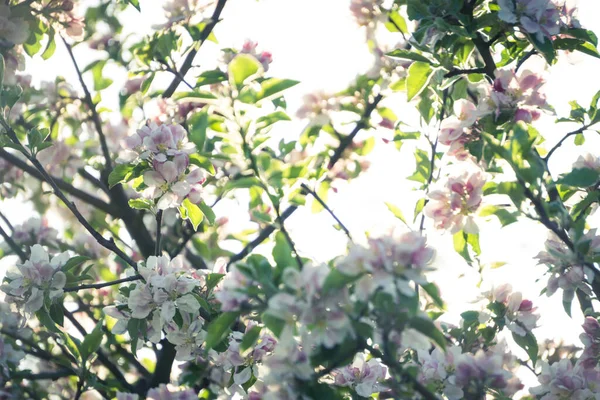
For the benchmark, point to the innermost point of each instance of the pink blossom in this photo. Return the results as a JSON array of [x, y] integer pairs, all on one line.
[[364, 376], [37, 277], [168, 392], [452, 205]]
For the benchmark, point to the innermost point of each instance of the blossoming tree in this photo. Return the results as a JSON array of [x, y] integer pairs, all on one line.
[[139, 294]]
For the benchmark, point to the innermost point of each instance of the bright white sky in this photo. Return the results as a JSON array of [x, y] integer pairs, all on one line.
[[318, 43]]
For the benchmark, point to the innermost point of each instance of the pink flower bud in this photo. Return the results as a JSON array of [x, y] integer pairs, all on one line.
[[526, 305], [591, 326]]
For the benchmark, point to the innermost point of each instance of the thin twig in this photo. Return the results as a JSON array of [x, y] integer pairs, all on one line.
[[90, 103], [14, 246], [7, 222], [433, 155], [108, 244], [189, 59], [112, 367], [457, 71], [50, 375], [326, 207], [561, 141], [80, 194], [103, 284], [158, 249]]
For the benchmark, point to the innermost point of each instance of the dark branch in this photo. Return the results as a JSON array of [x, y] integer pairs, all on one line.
[[103, 284], [14, 246], [189, 59], [326, 207], [561, 141], [457, 71], [80, 194]]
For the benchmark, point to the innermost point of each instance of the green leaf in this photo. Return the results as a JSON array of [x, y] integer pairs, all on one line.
[[434, 292], [460, 245], [274, 323], [135, 3], [473, 240], [219, 329], [427, 327], [134, 326], [244, 182], [74, 262], [250, 338], [504, 216], [146, 83], [396, 23], [242, 67], [198, 124], [1, 72], [50, 47], [419, 207], [579, 139], [423, 167], [43, 316], [544, 47], [408, 55], [270, 119], [396, 211], [336, 280], [272, 87], [119, 174], [192, 212], [91, 341], [419, 74], [580, 177], [207, 211], [57, 313], [141, 204], [72, 344], [529, 344], [211, 77]]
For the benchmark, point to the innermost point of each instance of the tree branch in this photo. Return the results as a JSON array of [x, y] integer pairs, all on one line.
[[90, 103], [108, 244], [80, 194], [561, 141], [103, 284], [326, 207], [189, 59], [101, 356], [14, 246]]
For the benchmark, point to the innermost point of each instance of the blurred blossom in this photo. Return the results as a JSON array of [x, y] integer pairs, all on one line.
[[36, 279], [13, 30], [363, 376], [454, 201]]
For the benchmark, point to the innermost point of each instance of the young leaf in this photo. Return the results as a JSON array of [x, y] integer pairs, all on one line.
[[218, 329], [250, 338], [91, 342], [192, 212], [529, 344], [242, 67], [207, 211], [419, 74], [427, 328]]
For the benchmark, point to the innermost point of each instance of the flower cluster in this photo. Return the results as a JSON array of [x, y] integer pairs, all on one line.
[[178, 11], [264, 57], [366, 12], [459, 375], [518, 95], [317, 107], [13, 30], [519, 314], [162, 392], [165, 293], [452, 204], [166, 149], [537, 17], [389, 263], [36, 280], [565, 270], [591, 340], [321, 316], [241, 366], [563, 380], [34, 231], [363, 376], [512, 96]]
